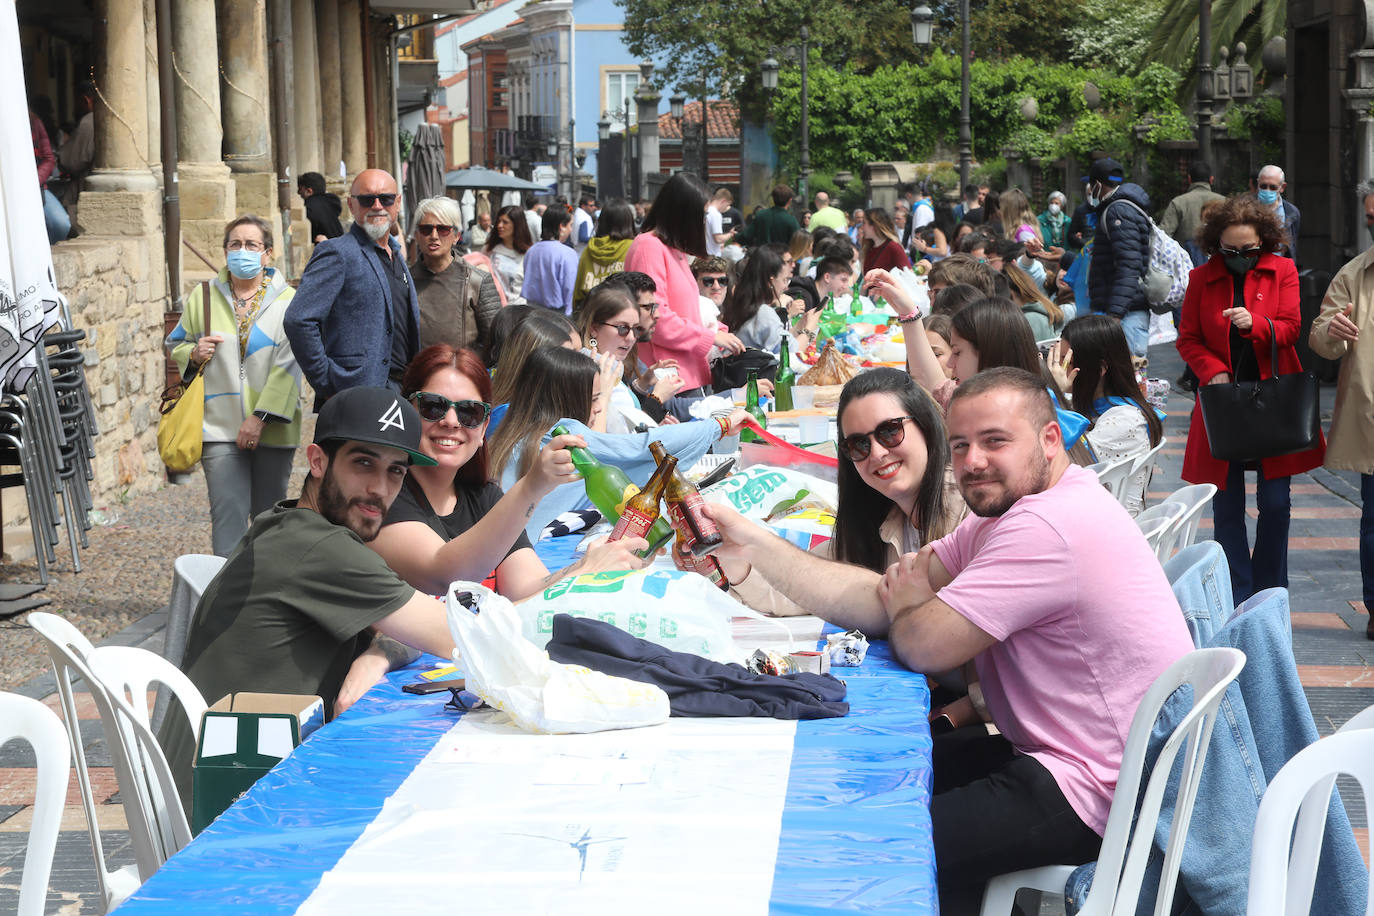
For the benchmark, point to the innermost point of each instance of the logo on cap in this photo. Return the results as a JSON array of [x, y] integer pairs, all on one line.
[[392, 417]]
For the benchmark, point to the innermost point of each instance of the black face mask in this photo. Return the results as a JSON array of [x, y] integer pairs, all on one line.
[[1239, 264]]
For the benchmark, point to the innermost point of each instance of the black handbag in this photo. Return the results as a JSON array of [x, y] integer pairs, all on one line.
[[1276, 416], [733, 371]]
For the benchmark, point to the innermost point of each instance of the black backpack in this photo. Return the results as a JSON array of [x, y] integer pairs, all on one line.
[[733, 371]]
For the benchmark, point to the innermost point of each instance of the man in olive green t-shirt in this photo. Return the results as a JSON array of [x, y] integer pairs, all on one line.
[[295, 603]]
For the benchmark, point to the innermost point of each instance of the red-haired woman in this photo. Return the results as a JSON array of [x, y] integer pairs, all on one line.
[[451, 521], [1225, 337]]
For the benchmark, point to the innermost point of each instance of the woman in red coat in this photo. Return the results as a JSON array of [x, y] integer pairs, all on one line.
[[1223, 337]]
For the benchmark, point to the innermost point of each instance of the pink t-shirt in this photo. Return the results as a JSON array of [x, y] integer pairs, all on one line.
[[679, 333], [1085, 621]]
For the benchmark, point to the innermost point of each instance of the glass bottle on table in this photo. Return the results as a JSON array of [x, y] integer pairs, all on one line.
[[641, 511], [609, 489], [786, 378], [686, 512], [751, 405]]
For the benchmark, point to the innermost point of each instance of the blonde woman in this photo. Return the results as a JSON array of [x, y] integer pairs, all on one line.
[[1019, 219]]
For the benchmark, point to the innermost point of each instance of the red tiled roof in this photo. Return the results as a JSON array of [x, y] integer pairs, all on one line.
[[723, 123]]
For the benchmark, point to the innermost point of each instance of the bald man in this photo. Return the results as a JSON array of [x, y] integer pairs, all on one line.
[[355, 319]]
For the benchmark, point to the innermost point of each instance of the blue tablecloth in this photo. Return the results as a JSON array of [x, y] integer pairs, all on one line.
[[856, 831]]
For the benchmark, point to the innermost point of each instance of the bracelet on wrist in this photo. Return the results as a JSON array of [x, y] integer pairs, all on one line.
[[909, 319], [724, 427]]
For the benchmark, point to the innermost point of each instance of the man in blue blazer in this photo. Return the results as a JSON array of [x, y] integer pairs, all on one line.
[[355, 319]]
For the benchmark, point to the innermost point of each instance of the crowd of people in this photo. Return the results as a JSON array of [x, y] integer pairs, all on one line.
[[967, 531]]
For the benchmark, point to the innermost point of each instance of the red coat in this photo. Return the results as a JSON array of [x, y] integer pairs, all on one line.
[[1204, 342]]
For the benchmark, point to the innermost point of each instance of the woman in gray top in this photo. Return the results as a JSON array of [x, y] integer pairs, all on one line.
[[749, 309]]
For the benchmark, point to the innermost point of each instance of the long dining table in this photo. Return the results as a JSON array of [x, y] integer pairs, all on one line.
[[407, 804]]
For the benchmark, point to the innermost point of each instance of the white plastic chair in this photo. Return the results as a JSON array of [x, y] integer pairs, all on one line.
[[1195, 498], [65, 645], [157, 821], [1147, 458], [1159, 525], [191, 573], [1126, 845], [28, 720], [1300, 794], [1142, 470], [1114, 474]]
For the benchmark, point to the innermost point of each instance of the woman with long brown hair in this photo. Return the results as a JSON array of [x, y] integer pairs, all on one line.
[[882, 246]]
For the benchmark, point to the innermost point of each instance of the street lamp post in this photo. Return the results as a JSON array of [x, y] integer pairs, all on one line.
[[921, 17], [769, 71], [1205, 92]]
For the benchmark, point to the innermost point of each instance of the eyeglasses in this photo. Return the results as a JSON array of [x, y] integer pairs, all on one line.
[[889, 434], [427, 229], [434, 407], [1254, 252], [624, 330], [236, 245], [1268, 187], [371, 200], [714, 281]]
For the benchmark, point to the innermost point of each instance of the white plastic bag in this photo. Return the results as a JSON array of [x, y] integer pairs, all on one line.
[[1162, 329], [671, 608], [538, 694], [763, 492]]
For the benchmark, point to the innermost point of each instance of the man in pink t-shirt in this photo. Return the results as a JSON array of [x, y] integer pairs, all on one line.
[[1053, 593]]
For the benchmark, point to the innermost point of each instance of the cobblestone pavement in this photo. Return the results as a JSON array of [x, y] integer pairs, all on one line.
[[120, 599]]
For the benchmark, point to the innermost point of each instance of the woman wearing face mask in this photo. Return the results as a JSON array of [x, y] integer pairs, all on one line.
[[1225, 336], [1054, 222], [252, 383]]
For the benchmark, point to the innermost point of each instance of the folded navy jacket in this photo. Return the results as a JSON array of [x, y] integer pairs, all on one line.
[[697, 687]]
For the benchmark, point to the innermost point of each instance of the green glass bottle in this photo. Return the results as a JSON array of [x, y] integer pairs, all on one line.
[[856, 306], [610, 489], [786, 378], [751, 404]]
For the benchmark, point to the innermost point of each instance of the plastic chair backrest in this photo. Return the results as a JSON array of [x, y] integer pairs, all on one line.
[[191, 573], [24, 719], [146, 787], [1114, 474], [127, 675], [1299, 794], [1146, 458], [66, 643], [1128, 839], [1195, 498], [1159, 525]]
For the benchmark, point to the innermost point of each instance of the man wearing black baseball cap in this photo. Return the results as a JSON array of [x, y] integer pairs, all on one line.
[[301, 596], [1121, 251]]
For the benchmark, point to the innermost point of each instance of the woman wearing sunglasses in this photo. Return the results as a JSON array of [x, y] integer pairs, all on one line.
[[457, 300], [893, 494], [563, 386], [450, 521], [1225, 336], [610, 320]]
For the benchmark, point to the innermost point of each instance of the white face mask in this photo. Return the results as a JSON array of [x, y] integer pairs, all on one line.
[[1054, 209], [1093, 199]]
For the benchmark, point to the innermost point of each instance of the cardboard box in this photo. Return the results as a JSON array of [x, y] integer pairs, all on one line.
[[242, 737]]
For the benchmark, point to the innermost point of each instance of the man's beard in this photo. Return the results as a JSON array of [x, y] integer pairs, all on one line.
[[334, 506], [994, 506], [375, 230]]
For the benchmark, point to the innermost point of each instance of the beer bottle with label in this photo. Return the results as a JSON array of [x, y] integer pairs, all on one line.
[[610, 489], [640, 513], [686, 510], [706, 566], [751, 404], [786, 378]]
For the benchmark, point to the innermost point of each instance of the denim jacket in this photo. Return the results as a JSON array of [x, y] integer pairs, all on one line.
[[1247, 750]]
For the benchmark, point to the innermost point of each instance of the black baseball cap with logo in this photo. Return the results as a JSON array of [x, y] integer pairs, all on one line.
[[377, 416]]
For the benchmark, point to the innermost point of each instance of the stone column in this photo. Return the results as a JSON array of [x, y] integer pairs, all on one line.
[[246, 106], [207, 192], [121, 194], [353, 94], [306, 59], [331, 101], [154, 93], [647, 97]]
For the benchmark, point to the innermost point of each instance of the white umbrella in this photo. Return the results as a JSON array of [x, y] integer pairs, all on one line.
[[30, 303]]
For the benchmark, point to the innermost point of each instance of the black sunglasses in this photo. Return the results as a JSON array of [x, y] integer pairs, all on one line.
[[434, 407], [1241, 252], [714, 281], [889, 433], [370, 200], [427, 229], [624, 330]]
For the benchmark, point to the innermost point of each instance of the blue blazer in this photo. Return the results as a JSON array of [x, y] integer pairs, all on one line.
[[339, 322]]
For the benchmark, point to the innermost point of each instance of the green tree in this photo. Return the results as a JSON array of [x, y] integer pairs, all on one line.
[[1113, 34], [728, 41], [1002, 29], [1174, 41]]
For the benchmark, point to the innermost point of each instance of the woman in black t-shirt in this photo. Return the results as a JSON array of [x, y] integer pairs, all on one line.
[[451, 521]]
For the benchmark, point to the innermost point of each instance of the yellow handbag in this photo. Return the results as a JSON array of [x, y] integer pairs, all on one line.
[[180, 429]]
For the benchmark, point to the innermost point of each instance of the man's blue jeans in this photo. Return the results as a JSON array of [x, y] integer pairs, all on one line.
[[1136, 326], [1267, 566], [58, 223]]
